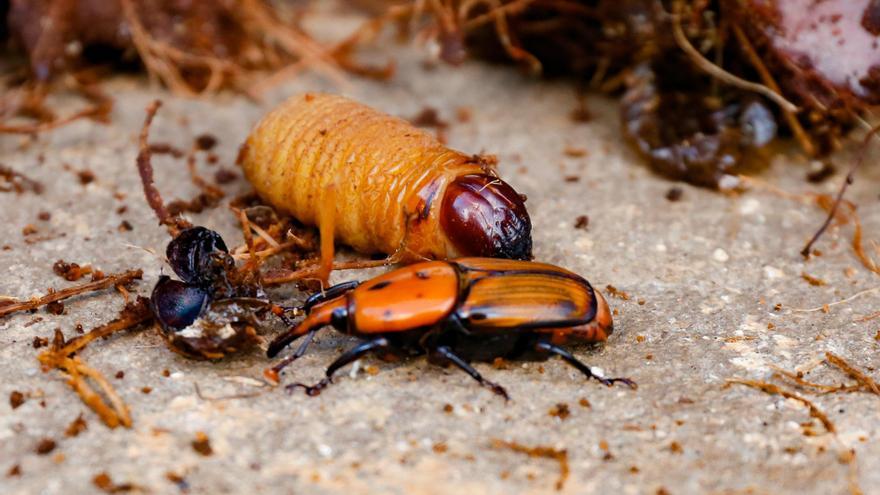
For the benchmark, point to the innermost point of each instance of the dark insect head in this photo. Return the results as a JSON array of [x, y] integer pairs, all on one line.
[[198, 255]]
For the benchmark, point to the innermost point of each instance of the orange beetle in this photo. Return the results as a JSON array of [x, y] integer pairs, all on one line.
[[469, 309]]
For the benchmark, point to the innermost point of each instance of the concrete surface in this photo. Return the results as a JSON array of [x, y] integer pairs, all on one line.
[[703, 273]]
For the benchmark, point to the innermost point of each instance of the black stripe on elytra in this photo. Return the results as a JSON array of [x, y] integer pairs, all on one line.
[[380, 285]]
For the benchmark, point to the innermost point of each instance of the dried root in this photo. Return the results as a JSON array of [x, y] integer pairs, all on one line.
[[110, 407], [28, 100], [192, 48], [773, 389], [145, 167], [9, 307], [864, 383]]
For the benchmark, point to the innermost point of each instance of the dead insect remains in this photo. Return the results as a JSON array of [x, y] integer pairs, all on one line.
[[214, 308]]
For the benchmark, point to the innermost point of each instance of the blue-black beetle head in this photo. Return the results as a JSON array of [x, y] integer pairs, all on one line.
[[196, 254]]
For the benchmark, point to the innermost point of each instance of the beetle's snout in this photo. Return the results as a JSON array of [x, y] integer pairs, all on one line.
[[483, 216]]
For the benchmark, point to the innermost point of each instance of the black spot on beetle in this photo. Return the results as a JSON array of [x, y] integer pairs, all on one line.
[[478, 316], [387, 314], [380, 285], [422, 275]]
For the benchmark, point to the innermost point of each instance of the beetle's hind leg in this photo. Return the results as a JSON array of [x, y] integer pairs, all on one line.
[[547, 347], [443, 354], [380, 343]]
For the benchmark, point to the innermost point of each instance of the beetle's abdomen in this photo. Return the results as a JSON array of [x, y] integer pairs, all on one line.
[[416, 296], [532, 300]]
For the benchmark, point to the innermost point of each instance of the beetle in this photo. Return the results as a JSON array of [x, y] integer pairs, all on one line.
[[458, 311]]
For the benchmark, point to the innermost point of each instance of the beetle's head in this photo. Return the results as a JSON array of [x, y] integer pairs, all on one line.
[[483, 216]]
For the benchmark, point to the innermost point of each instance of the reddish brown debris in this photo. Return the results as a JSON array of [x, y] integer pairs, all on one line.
[[85, 177], [205, 142], [70, 271], [76, 427], [12, 181], [816, 282], [45, 446], [225, 176], [104, 483], [55, 307], [16, 399], [202, 444], [674, 194], [560, 411], [615, 292]]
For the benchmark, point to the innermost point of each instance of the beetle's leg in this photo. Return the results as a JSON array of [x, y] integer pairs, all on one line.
[[446, 354], [283, 317], [321, 316], [272, 373], [454, 323], [349, 356], [329, 293], [542, 346]]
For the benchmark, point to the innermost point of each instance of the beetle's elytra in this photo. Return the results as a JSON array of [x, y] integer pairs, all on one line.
[[395, 185], [469, 309]]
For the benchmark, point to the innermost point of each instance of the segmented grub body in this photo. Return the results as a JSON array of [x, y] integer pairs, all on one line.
[[389, 179]]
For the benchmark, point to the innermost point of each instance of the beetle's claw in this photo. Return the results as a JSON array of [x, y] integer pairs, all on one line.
[[611, 381], [310, 390], [498, 389]]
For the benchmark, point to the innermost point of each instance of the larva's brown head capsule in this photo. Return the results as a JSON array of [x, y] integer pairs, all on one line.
[[483, 216]]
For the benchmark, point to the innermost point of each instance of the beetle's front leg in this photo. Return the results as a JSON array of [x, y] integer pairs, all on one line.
[[349, 356], [273, 372], [546, 347], [329, 293]]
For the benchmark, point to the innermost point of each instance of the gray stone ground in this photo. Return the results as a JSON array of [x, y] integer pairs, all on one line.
[[704, 275]]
